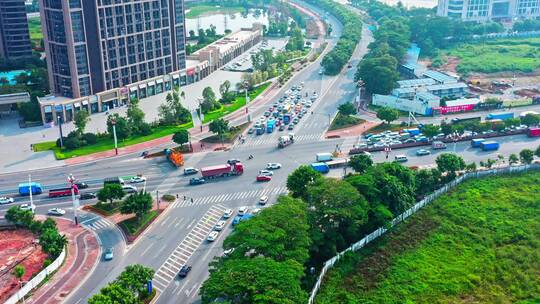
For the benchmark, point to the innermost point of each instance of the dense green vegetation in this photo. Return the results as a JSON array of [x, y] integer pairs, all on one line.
[[496, 55], [129, 287], [36, 35], [204, 9], [336, 59], [478, 244], [345, 117]]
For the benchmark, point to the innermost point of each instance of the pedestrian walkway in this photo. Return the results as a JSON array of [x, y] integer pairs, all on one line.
[[179, 257], [264, 140], [82, 254], [222, 198], [97, 223]]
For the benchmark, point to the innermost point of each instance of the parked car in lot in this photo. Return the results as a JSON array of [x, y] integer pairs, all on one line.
[[273, 166], [184, 271], [423, 152], [109, 254], [264, 178], [197, 181], [212, 236], [6, 200], [190, 171], [56, 211]]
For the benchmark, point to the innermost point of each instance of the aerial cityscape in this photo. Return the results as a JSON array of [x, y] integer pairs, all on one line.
[[269, 151]]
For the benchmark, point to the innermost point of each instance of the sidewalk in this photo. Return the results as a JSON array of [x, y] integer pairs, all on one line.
[[351, 131], [82, 254]]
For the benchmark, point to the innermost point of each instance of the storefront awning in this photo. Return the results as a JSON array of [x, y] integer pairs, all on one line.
[[47, 109], [85, 102], [159, 81], [133, 89], [151, 83], [77, 105], [175, 76], [142, 86]]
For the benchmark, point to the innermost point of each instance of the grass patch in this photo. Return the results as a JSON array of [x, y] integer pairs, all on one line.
[[477, 244], [132, 226], [229, 137], [106, 209], [107, 143], [342, 121], [200, 10], [34, 26], [500, 55], [239, 102]]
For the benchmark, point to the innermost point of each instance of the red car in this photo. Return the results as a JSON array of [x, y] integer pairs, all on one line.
[[264, 178]]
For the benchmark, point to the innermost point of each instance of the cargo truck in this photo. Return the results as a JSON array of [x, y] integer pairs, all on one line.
[[475, 143], [24, 188], [270, 126], [533, 132], [284, 141], [413, 131], [320, 167], [175, 157], [501, 116], [222, 170], [323, 157], [113, 180], [66, 191], [489, 145]]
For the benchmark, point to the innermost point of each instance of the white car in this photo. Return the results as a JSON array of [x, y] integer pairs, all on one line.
[[129, 189], [242, 210], [137, 179], [228, 251], [266, 172], [6, 200], [212, 236], [272, 166], [256, 211], [220, 225], [56, 211], [27, 207], [228, 213], [263, 200]]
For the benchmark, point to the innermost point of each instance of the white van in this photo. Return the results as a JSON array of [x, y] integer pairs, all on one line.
[[400, 158], [322, 157]]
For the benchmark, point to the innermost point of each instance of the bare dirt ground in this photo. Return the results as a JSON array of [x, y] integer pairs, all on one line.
[[17, 247]]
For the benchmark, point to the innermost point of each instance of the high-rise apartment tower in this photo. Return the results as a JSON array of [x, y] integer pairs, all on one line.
[[14, 34]]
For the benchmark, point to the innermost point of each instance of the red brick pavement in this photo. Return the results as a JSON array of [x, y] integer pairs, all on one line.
[[82, 255], [352, 131]]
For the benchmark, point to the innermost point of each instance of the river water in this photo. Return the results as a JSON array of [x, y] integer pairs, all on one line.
[[233, 22]]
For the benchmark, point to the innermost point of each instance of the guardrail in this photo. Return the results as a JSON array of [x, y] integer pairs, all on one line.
[[35, 281], [428, 199]]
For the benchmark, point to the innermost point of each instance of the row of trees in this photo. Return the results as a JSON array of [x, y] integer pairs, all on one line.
[[336, 59], [51, 241], [139, 203], [129, 287]]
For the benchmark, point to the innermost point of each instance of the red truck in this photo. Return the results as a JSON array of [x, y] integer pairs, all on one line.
[[62, 192], [222, 170], [534, 132]]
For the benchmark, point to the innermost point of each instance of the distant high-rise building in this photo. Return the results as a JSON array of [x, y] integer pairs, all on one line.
[[482, 10], [97, 45], [14, 34]]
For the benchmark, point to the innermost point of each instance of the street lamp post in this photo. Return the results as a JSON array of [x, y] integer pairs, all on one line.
[[59, 120], [113, 122], [74, 199], [246, 85], [30, 192]]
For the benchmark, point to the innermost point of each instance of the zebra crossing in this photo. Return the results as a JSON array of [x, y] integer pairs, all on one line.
[[179, 257], [94, 222], [262, 141], [220, 198]]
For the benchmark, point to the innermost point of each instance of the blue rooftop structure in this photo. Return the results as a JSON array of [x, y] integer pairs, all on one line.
[[439, 77], [412, 54]]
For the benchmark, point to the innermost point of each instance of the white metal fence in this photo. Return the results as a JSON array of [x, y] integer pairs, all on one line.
[[428, 199], [35, 281]]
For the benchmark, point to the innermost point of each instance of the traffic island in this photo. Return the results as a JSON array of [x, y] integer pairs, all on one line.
[[133, 228]]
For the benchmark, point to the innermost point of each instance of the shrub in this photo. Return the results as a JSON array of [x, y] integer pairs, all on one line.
[[90, 138], [58, 141], [168, 197], [145, 129], [72, 143]]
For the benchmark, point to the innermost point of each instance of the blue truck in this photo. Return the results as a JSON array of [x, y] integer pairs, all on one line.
[[475, 143], [270, 125], [489, 145], [413, 131], [286, 119], [320, 167], [501, 116], [24, 188]]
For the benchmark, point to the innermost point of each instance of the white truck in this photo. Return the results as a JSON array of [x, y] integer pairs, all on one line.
[[324, 157], [284, 141]]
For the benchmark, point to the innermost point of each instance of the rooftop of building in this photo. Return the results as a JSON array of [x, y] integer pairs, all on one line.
[[407, 90], [427, 96], [53, 100], [447, 86], [439, 76], [226, 43], [415, 82], [462, 102]]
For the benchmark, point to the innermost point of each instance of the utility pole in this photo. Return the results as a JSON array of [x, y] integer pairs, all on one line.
[[246, 85], [59, 120], [157, 199], [74, 200], [113, 122], [30, 191]]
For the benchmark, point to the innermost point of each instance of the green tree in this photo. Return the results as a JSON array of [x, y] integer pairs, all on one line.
[[361, 162], [224, 91], [110, 192], [427, 180], [526, 156], [378, 74], [446, 129], [387, 114], [220, 127], [513, 159], [347, 109], [19, 217], [52, 242], [134, 278], [431, 130], [123, 129], [99, 298], [450, 163], [209, 100], [257, 281], [19, 271], [537, 151], [80, 120], [135, 116], [300, 179], [117, 295], [172, 112], [530, 119], [181, 137], [139, 203]]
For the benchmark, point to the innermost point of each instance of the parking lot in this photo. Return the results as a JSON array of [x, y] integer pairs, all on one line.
[[243, 63]]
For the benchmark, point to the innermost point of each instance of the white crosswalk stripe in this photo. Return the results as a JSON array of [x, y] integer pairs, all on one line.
[[220, 198], [98, 224]]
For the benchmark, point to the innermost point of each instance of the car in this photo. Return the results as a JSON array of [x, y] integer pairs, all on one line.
[[321, 71], [242, 210], [281, 127], [190, 171], [27, 207], [263, 200], [109, 254], [266, 114], [256, 211], [264, 178], [228, 213], [87, 195], [212, 236], [400, 158], [423, 152], [291, 127], [137, 179], [56, 211], [197, 181], [272, 166], [6, 200], [184, 271], [228, 252], [220, 225], [300, 115], [236, 220], [233, 161], [81, 185], [251, 130], [308, 104], [266, 172], [409, 141], [349, 66], [129, 189]]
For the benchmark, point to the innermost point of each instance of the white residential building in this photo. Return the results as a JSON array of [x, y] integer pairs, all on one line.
[[483, 10]]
